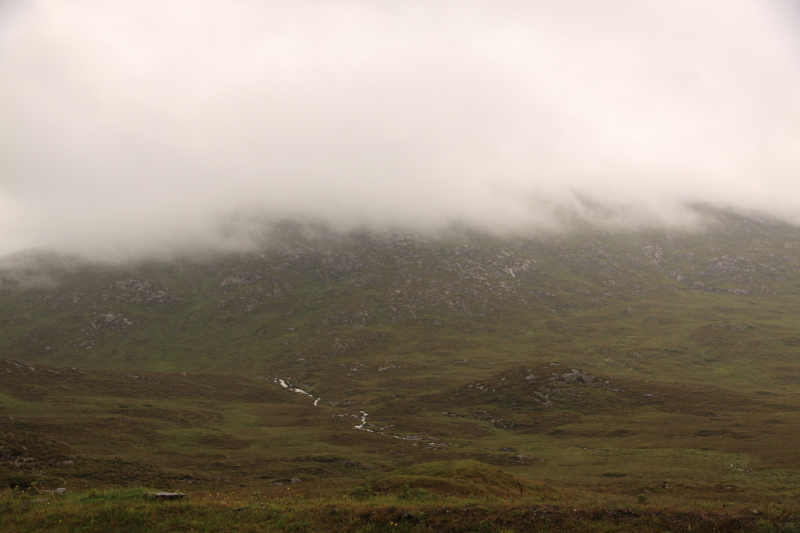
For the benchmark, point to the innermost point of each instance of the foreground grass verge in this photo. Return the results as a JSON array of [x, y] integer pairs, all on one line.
[[132, 510]]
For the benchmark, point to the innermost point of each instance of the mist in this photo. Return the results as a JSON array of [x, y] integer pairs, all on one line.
[[133, 127]]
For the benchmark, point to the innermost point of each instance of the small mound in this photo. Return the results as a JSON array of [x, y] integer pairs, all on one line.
[[459, 478]]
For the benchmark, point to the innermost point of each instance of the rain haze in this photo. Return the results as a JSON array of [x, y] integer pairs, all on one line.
[[139, 126]]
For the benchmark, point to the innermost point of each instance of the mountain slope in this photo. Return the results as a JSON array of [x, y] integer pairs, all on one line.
[[650, 298], [564, 356]]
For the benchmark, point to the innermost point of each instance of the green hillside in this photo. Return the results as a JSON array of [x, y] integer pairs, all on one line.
[[592, 361], [650, 301]]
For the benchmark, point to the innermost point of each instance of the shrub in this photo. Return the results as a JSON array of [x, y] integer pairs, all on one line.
[[409, 494], [765, 526], [20, 483], [362, 492], [405, 493]]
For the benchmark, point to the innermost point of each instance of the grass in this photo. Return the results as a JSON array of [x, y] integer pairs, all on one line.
[[213, 435], [106, 427], [131, 510], [168, 380], [466, 477]]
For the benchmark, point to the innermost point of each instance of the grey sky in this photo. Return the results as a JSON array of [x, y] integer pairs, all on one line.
[[136, 125]]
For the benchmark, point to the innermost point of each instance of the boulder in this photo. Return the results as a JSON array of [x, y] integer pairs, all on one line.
[[167, 495]]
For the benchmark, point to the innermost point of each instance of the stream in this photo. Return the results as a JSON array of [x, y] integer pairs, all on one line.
[[361, 426], [288, 386]]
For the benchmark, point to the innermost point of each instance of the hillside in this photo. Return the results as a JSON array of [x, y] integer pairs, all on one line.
[[648, 299], [591, 359]]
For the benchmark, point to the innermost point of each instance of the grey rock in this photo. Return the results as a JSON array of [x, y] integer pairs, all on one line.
[[167, 495]]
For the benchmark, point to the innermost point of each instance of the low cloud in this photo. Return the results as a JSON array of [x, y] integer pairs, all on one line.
[[129, 127]]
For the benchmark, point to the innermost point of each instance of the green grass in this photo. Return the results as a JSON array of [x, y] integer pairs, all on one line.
[[466, 477], [132, 510], [88, 429], [434, 339]]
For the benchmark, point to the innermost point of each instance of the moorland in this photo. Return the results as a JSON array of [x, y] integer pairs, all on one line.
[[589, 379]]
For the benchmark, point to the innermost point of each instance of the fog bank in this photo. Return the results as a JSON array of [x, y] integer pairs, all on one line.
[[129, 127]]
